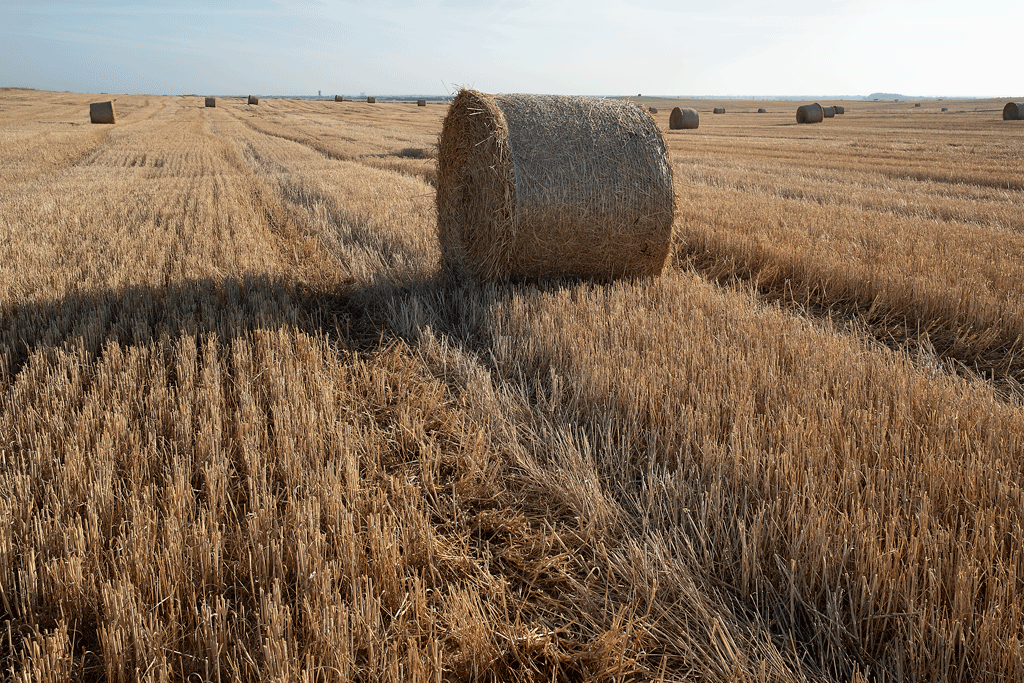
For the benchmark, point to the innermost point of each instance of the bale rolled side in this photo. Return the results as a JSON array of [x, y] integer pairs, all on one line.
[[253, 99], [421, 103], [810, 113], [211, 101], [683, 119], [339, 98], [552, 186], [102, 112], [828, 112], [371, 100], [719, 110], [1013, 111]]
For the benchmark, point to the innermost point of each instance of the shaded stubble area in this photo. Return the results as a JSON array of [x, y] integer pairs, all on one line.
[[257, 437]]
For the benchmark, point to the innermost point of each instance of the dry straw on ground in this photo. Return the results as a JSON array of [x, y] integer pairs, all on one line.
[[253, 99], [339, 98], [102, 112], [211, 101], [1013, 111], [683, 119], [719, 110], [421, 103], [828, 112], [371, 100], [551, 186], [810, 113]]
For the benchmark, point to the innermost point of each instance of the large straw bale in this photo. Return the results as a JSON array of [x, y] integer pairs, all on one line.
[[253, 100], [211, 101], [810, 113], [339, 98], [719, 110], [421, 103], [552, 186], [371, 100], [1013, 111], [683, 119], [102, 112], [828, 112]]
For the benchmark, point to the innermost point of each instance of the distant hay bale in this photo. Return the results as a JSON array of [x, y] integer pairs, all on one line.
[[653, 110], [719, 110], [1013, 111], [917, 104], [421, 103], [762, 110], [945, 109], [339, 98], [552, 186], [253, 99], [683, 119], [371, 100], [839, 110], [828, 112], [102, 112], [810, 113], [211, 101]]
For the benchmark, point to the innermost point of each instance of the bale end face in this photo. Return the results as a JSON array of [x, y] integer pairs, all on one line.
[[211, 101], [102, 112], [1013, 111], [683, 119], [538, 186]]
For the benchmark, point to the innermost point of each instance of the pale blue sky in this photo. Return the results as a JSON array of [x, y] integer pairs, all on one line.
[[733, 47]]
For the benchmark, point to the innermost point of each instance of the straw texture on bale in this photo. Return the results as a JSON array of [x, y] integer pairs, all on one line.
[[339, 98], [371, 100], [552, 186], [719, 110], [421, 103], [828, 112], [810, 113], [253, 99], [211, 101], [102, 112], [683, 119], [1013, 111]]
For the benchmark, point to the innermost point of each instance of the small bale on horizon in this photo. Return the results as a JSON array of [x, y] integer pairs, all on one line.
[[421, 103], [371, 100], [917, 104], [339, 98], [719, 110], [653, 110], [1013, 111], [253, 100], [538, 186], [102, 112], [211, 101], [762, 110], [944, 109], [810, 113], [683, 119], [839, 109]]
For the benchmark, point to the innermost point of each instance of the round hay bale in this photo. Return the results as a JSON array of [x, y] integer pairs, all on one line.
[[683, 119], [917, 104], [102, 112], [810, 113], [253, 100], [839, 110], [339, 98], [653, 110], [421, 103], [828, 112], [945, 109], [762, 110], [371, 100], [719, 110], [211, 101], [1013, 111], [552, 186]]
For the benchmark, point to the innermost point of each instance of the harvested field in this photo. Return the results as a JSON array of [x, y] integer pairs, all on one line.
[[248, 432]]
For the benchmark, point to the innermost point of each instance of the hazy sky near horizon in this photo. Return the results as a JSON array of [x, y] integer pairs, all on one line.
[[601, 47]]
